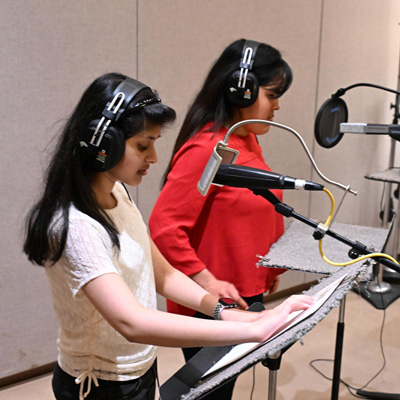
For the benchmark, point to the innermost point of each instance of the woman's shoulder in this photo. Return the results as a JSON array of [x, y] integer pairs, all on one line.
[[124, 200], [122, 193], [202, 141], [75, 218]]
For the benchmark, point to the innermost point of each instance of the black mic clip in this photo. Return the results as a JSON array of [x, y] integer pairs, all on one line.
[[358, 250], [284, 209], [281, 208]]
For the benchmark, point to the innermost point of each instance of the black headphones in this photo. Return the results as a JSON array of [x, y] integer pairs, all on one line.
[[242, 85], [104, 148]]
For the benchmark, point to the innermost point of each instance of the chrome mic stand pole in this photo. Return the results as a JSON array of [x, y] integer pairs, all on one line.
[[273, 362]]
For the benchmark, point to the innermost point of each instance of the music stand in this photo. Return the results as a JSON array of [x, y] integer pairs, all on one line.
[[177, 386], [295, 251]]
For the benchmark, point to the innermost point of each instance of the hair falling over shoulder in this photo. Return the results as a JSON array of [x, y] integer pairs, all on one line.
[[68, 180]]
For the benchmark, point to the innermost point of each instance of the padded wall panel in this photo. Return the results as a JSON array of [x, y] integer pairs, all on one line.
[[51, 51]]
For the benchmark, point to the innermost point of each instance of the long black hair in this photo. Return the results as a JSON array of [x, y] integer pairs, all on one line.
[[211, 103], [68, 179]]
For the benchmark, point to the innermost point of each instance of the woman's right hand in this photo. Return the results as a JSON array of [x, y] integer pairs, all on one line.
[[275, 318]]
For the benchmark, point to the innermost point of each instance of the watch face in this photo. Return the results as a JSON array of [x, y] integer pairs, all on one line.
[[226, 301]]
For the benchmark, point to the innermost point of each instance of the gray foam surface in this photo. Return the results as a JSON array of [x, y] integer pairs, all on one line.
[[298, 250]]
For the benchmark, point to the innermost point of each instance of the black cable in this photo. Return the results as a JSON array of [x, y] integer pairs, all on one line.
[[342, 91], [254, 383], [158, 385], [348, 386], [382, 206], [382, 351]]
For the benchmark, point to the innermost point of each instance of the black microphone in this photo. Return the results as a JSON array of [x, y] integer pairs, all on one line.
[[254, 178]]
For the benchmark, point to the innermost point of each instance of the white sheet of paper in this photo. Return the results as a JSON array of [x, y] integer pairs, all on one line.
[[294, 318]]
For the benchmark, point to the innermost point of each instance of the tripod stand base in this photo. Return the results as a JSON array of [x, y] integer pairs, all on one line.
[[379, 287], [379, 299]]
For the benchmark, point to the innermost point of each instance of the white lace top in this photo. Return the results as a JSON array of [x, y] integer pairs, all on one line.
[[88, 346]]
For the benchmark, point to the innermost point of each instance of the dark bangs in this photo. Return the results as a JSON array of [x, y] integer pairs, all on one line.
[[281, 82], [272, 71], [157, 113]]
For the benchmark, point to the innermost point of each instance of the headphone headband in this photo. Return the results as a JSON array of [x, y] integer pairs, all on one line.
[[246, 64], [127, 90], [242, 86], [122, 97], [248, 54]]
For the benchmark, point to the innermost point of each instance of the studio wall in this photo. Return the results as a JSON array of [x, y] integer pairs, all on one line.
[[52, 50]]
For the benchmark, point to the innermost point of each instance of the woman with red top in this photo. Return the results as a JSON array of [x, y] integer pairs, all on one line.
[[215, 239]]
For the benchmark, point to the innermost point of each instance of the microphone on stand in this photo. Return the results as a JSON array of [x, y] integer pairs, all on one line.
[[250, 178], [222, 154], [254, 178]]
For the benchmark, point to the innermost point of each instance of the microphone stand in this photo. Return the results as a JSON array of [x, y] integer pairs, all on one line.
[[356, 249]]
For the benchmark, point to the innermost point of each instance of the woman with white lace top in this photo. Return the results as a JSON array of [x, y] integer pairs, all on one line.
[[103, 269]]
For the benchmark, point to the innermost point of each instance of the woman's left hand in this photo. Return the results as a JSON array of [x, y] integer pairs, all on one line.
[[274, 285]]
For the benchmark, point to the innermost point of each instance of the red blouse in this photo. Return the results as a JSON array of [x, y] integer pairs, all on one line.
[[225, 230]]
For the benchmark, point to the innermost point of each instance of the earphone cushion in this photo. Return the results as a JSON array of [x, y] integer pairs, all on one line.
[[109, 153], [242, 97]]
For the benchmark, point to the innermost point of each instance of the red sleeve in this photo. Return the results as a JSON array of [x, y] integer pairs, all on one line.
[[180, 204]]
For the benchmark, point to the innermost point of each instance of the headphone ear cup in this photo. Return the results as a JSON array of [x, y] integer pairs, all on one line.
[[107, 154], [242, 97]]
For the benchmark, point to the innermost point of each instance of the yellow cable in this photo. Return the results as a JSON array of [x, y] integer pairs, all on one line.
[[352, 261], [328, 221]]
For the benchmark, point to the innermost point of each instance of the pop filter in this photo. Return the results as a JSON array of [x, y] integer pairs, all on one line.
[[334, 112], [327, 124]]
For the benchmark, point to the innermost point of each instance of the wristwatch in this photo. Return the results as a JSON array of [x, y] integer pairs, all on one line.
[[223, 303]]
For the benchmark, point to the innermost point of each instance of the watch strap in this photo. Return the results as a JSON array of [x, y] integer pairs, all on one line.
[[220, 307]]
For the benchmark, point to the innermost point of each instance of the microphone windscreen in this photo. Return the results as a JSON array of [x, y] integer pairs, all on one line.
[[220, 154]]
